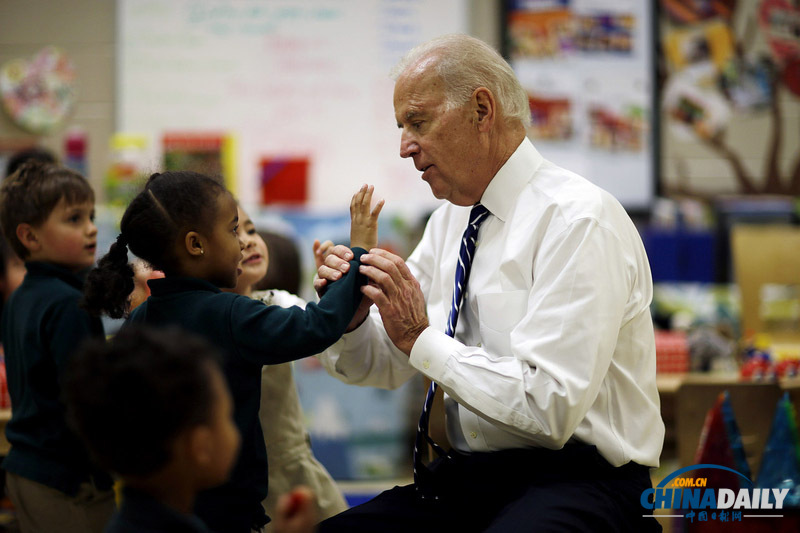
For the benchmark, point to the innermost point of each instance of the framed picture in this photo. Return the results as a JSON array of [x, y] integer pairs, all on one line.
[[588, 67]]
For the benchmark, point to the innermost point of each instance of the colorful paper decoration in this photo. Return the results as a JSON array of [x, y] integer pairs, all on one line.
[[721, 444], [40, 93]]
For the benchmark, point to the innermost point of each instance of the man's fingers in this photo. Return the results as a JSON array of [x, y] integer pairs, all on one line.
[[341, 251], [330, 274], [338, 259], [375, 294], [387, 262], [380, 278], [379, 256]]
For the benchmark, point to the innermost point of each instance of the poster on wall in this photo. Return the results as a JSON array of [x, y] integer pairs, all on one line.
[[731, 86], [588, 69]]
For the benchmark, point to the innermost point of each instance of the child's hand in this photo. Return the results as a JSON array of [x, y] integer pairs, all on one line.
[[320, 251], [296, 512], [363, 222]]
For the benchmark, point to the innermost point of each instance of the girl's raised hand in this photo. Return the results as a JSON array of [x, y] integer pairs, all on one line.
[[363, 221]]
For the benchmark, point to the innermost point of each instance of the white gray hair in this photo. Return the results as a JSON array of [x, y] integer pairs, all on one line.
[[465, 63]]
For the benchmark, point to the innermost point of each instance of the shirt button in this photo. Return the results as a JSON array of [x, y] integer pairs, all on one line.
[[426, 365], [473, 435], [479, 345]]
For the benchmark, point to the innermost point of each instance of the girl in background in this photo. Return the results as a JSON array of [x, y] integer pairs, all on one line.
[[186, 225]]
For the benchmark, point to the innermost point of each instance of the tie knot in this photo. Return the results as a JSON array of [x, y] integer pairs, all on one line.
[[477, 215]]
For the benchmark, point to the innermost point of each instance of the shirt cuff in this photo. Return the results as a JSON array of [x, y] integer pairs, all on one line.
[[431, 352]]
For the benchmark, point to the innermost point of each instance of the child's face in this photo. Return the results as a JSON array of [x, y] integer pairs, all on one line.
[[141, 273], [223, 433], [68, 237], [224, 248], [256, 257]]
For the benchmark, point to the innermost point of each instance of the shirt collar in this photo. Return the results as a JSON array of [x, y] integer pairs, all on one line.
[[173, 284], [502, 192], [40, 268]]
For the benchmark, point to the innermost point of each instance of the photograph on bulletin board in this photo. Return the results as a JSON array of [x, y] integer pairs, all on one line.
[[730, 74], [588, 68]]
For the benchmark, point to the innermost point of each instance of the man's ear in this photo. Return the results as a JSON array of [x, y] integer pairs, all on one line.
[[484, 108], [27, 235], [194, 243]]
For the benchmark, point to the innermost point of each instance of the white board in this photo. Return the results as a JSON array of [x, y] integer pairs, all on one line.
[[302, 78]]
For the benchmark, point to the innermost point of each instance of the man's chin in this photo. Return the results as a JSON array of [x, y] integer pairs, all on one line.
[[438, 192]]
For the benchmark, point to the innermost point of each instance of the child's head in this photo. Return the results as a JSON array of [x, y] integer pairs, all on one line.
[[256, 256], [47, 214], [34, 153], [153, 402], [285, 270], [183, 224]]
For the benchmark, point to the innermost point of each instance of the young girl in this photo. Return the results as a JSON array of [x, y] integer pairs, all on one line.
[[291, 461], [185, 224]]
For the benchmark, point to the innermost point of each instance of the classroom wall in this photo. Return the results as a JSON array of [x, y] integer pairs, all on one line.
[[86, 31]]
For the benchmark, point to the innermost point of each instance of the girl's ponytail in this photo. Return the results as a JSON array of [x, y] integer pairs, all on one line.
[[109, 285]]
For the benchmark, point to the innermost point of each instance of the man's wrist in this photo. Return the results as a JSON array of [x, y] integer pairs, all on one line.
[[410, 339]]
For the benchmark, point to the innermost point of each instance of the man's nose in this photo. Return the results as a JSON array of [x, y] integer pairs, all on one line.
[[408, 146]]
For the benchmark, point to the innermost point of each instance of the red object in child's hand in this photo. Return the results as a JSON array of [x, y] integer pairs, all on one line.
[[296, 502]]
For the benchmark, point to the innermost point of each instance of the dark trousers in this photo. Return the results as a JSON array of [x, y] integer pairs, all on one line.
[[572, 489]]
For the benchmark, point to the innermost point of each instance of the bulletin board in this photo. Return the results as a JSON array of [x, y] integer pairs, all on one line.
[[731, 74], [588, 68], [297, 86]]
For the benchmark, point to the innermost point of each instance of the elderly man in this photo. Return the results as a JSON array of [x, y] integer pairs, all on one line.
[[526, 301]]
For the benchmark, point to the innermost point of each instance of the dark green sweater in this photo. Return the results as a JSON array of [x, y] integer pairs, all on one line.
[[141, 513], [249, 335], [42, 327]]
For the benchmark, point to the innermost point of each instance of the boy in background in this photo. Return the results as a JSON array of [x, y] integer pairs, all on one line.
[[153, 406], [47, 216]]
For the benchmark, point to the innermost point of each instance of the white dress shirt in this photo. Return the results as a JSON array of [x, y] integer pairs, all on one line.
[[554, 340]]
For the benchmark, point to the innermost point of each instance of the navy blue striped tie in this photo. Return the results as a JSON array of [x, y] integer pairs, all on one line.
[[465, 254]]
